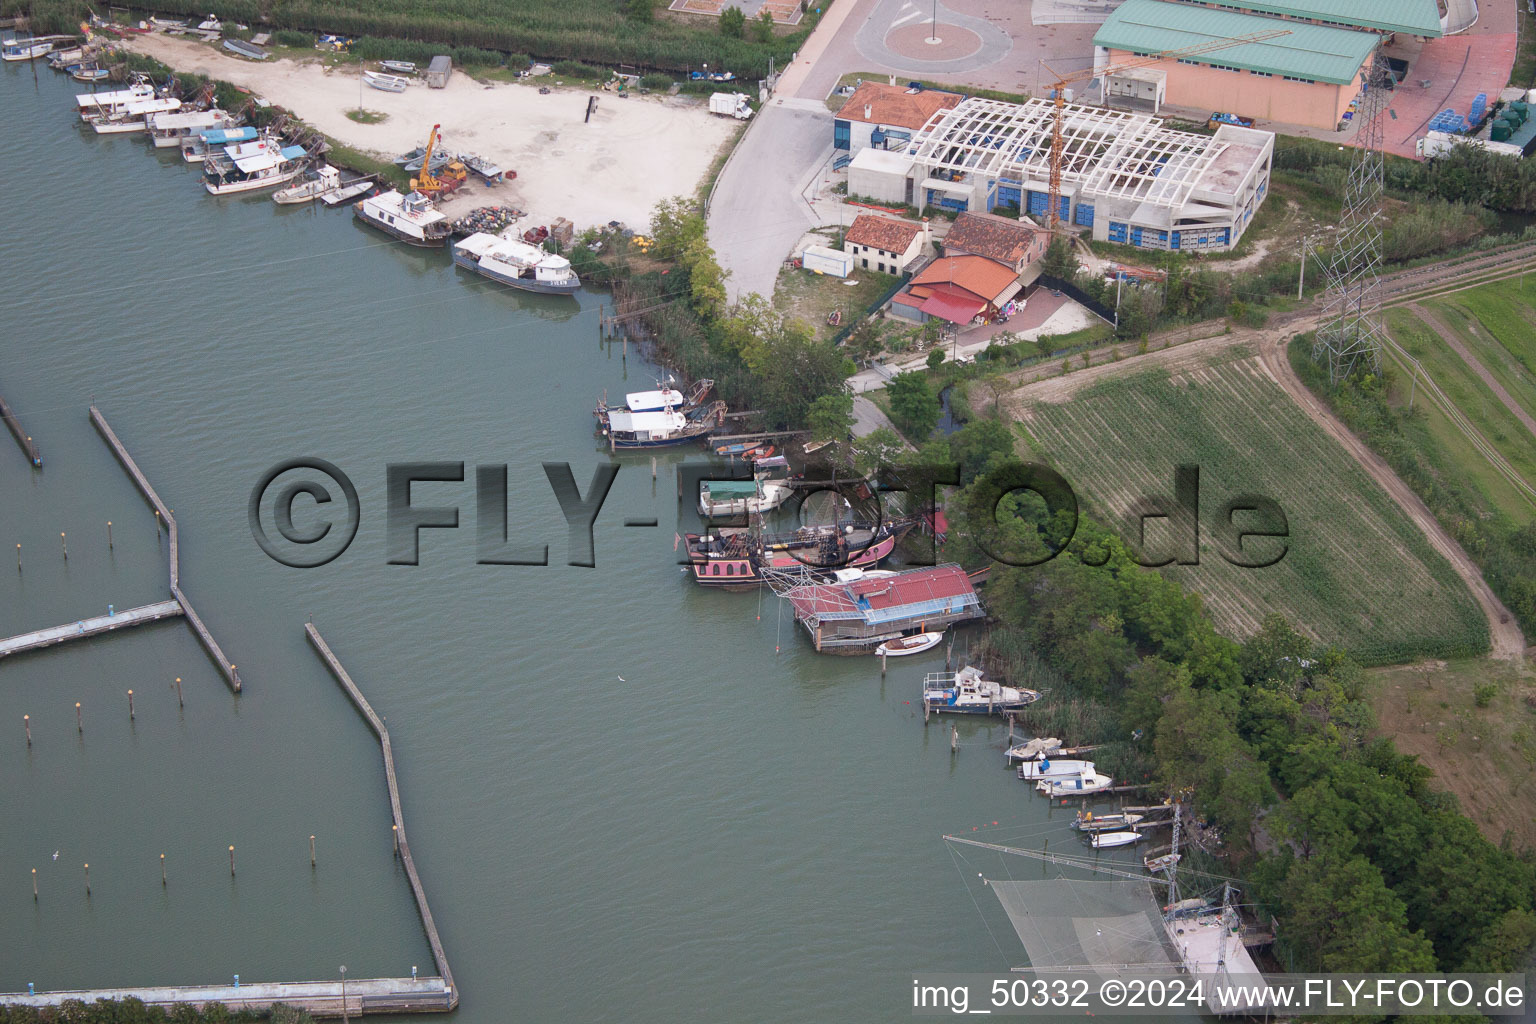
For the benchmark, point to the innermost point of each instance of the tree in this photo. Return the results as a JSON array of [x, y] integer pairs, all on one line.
[[830, 417], [762, 26], [705, 278], [935, 358], [733, 22], [865, 341], [1060, 260], [675, 223], [914, 406], [980, 445], [1505, 946], [876, 450], [1339, 916], [640, 10]]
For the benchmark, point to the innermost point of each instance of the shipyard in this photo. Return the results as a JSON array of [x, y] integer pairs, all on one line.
[[862, 490]]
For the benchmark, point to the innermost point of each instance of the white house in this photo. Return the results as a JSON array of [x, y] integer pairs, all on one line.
[[884, 244]]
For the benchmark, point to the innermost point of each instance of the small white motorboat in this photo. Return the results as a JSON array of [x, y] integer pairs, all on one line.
[[398, 67], [385, 83], [1105, 840], [916, 643], [1055, 768], [347, 192], [318, 184], [1077, 785]]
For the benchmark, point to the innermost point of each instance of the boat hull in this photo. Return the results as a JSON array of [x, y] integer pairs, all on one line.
[[469, 262], [229, 188], [927, 643], [427, 242]]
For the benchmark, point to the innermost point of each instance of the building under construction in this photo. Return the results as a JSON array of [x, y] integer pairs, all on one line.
[[1125, 176]]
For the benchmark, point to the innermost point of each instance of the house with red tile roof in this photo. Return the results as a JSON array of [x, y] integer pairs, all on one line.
[[884, 244], [1013, 243], [958, 289], [886, 116], [862, 613]]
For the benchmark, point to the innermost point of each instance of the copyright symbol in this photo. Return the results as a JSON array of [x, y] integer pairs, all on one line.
[[312, 542], [1112, 993]]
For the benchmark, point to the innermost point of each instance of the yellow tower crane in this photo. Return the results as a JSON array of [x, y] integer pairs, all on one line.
[[1053, 209]]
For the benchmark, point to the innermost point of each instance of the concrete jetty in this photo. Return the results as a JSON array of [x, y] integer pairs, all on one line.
[[226, 669], [28, 446], [320, 998], [89, 627]]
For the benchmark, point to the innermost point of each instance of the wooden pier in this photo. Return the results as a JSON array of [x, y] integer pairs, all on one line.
[[28, 446], [227, 670], [377, 725], [96, 626]]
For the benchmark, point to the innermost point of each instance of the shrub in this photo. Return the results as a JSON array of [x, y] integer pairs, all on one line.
[[1483, 694], [292, 37], [576, 69], [656, 82], [733, 23], [473, 55]]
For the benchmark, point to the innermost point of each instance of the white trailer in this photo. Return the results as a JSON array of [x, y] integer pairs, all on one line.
[[826, 261], [1436, 143], [731, 104]]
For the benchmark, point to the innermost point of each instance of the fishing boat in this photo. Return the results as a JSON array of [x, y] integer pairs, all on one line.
[[1054, 768], [968, 692], [240, 48], [172, 128], [668, 428], [915, 643], [1163, 863], [385, 83], [252, 167], [398, 67], [1076, 785], [94, 104], [132, 117], [25, 49], [90, 73], [347, 192], [1107, 840], [487, 171], [195, 148], [317, 184], [410, 218], [663, 396], [1087, 821], [58, 59], [743, 558], [516, 264], [412, 161], [763, 493]]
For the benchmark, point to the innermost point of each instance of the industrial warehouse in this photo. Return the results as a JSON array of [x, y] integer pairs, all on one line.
[[1124, 175]]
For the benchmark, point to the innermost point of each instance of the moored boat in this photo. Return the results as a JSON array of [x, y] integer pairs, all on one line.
[[132, 117], [398, 67], [1076, 785], [385, 83], [742, 558], [663, 396], [914, 643], [1106, 840], [90, 73], [763, 493], [25, 49], [516, 264], [1087, 821], [94, 104], [347, 192], [252, 167], [196, 148], [1054, 768], [968, 692], [171, 128], [410, 218], [627, 430], [59, 59], [317, 184]]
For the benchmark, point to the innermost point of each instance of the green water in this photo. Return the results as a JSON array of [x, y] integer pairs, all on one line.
[[728, 834]]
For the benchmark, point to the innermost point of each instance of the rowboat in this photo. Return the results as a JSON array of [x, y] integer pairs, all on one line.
[[1106, 840], [398, 67], [385, 83], [916, 643], [347, 192], [240, 48], [89, 73]]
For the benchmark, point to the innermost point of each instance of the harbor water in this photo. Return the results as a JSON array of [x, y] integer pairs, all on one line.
[[629, 799]]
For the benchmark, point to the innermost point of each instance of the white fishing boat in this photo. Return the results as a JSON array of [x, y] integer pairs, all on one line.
[[385, 83], [90, 73], [1076, 785], [398, 67], [631, 430], [967, 692], [25, 49], [915, 643], [1107, 840], [318, 183], [132, 117], [172, 128], [410, 218], [1087, 821], [1054, 768], [94, 104], [252, 167], [516, 263], [767, 490], [195, 148]]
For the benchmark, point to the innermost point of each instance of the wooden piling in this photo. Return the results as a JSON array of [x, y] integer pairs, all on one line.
[[130, 705], [34, 885], [18, 558], [311, 851], [231, 862], [395, 832], [87, 879], [109, 535], [162, 870], [63, 546], [882, 664], [179, 704], [79, 720], [954, 739], [26, 720]]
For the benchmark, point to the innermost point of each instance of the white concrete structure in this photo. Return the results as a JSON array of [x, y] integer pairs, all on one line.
[[884, 244], [1124, 175], [882, 175]]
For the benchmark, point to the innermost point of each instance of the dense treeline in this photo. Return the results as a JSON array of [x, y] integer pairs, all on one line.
[[1504, 550], [1465, 175], [1364, 866], [600, 31], [132, 1011]]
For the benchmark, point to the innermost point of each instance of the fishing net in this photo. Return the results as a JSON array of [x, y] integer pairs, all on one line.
[[1107, 926]]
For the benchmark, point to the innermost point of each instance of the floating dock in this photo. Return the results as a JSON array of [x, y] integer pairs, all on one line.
[[28, 446], [96, 626], [227, 670]]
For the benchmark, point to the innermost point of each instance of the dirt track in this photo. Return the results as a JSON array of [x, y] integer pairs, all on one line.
[[1450, 338], [1269, 346]]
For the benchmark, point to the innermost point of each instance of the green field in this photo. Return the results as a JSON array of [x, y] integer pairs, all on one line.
[[1357, 573], [1495, 321]]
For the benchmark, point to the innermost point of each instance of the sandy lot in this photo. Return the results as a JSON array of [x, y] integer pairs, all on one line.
[[634, 153]]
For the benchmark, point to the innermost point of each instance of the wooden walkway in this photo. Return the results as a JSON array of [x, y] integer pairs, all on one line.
[[320, 998], [227, 670], [28, 446], [89, 627], [377, 725]]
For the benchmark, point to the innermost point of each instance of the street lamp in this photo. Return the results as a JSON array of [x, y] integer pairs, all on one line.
[[933, 35], [344, 992]]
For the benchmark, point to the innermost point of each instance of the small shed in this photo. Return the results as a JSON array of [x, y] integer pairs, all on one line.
[[439, 71]]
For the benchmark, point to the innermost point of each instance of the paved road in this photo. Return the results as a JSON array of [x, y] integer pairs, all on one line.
[[757, 213], [868, 417]]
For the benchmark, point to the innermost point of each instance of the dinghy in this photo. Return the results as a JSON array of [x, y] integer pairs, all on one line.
[[1105, 840], [385, 83], [916, 643]]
